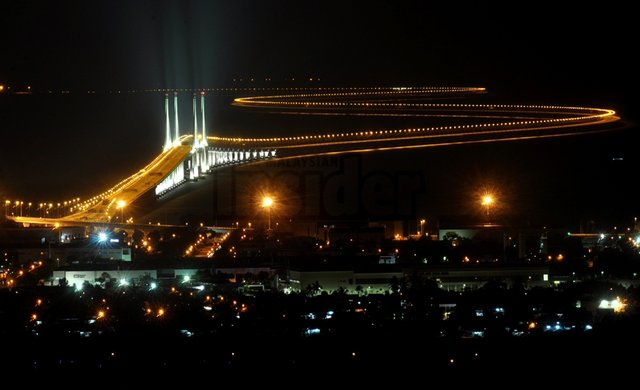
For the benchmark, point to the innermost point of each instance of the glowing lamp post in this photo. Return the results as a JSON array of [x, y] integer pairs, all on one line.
[[267, 203], [487, 202]]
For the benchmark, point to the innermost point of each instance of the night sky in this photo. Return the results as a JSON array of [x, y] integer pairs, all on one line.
[[533, 53], [147, 44]]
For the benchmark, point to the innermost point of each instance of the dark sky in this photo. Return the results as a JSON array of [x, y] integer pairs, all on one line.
[[146, 44], [527, 52]]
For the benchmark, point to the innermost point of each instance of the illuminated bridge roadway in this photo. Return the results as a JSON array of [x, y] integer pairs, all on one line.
[[187, 157]]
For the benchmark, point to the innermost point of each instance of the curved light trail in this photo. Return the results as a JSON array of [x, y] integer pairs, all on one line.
[[476, 122]]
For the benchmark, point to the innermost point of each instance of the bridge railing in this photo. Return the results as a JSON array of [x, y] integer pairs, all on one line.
[[205, 159]]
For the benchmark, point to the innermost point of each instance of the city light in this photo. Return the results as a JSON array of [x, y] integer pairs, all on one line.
[[487, 202], [267, 203], [617, 305]]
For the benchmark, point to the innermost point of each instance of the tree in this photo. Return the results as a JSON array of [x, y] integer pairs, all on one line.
[[313, 289], [340, 292], [146, 280], [87, 286], [103, 279], [394, 286]]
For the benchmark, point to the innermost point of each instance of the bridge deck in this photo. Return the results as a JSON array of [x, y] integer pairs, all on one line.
[[133, 187]]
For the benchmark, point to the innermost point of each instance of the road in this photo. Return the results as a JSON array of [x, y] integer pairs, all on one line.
[[105, 207]]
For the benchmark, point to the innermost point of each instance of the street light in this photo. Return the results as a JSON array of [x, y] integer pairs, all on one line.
[[487, 202], [267, 202], [422, 222]]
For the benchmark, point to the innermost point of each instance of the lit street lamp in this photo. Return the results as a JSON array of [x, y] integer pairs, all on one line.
[[487, 202], [422, 222], [267, 202]]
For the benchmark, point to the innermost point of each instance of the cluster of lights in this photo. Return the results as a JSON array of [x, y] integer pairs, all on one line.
[[219, 89], [353, 92], [618, 305], [23, 208], [152, 312], [146, 245], [8, 277], [116, 201], [192, 247], [567, 115], [217, 245]]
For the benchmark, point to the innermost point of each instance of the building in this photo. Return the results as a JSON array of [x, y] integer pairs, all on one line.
[[451, 278], [353, 282]]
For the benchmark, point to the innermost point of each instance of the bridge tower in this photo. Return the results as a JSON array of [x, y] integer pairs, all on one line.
[[199, 151], [203, 157], [203, 140], [196, 141], [168, 143], [176, 139]]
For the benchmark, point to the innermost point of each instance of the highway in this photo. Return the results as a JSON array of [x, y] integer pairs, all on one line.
[[469, 123], [104, 207]]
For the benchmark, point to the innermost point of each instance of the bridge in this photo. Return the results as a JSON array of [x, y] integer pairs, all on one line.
[[188, 157]]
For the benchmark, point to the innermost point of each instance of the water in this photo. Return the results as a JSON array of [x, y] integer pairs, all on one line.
[[56, 147]]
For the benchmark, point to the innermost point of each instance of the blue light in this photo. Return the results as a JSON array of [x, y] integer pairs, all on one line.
[[311, 331], [102, 237]]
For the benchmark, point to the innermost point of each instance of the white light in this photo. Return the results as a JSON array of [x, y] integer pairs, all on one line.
[[102, 237], [123, 282], [605, 304], [186, 278], [153, 286]]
